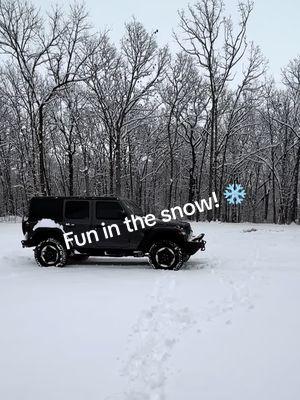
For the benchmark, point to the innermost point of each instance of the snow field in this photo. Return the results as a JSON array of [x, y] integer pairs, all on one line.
[[226, 327]]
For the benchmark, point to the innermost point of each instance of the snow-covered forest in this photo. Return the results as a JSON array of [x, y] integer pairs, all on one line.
[[81, 115]]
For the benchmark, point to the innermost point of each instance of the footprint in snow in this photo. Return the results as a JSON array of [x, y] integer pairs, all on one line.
[[155, 334]]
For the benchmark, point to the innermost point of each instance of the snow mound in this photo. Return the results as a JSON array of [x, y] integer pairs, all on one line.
[[47, 223]]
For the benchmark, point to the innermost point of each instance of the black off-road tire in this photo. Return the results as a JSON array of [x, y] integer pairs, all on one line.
[[166, 255], [50, 253]]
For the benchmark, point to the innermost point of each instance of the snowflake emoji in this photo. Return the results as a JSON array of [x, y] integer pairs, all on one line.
[[235, 193]]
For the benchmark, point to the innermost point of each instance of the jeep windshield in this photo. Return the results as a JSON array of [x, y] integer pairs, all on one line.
[[134, 208]]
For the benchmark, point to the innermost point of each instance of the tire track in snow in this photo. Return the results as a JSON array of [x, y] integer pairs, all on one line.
[[155, 333], [159, 327]]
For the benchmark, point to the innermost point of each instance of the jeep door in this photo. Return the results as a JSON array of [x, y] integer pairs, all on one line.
[[135, 237], [77, 219], [108, 217]]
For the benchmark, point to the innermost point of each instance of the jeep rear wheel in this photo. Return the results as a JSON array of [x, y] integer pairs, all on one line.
[[166, 255], [50, 253]]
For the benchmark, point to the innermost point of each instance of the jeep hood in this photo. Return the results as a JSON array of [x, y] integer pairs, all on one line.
[[174, 224]]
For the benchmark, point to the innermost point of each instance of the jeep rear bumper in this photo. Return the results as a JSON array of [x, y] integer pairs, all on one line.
[[194, 244]]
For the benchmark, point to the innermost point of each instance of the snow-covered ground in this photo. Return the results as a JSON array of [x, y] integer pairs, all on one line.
[[227, 327]]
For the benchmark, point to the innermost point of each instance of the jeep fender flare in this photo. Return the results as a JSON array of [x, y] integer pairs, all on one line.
[[45, 233], [156, 235]]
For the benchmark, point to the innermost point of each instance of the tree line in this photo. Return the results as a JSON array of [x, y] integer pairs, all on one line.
[[80, 115]]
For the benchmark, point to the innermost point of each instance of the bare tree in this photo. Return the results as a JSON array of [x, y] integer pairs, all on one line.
[[48, 59], [123, 81], [204, 26]]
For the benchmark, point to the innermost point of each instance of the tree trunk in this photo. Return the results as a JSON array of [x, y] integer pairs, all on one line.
[[44, 188], [71, 171], [211, 173], [192, 180], [118, 163], [111, 164], [294, 208]]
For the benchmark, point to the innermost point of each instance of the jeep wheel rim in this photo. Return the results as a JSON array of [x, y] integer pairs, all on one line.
[[165, 257], [49, 254]]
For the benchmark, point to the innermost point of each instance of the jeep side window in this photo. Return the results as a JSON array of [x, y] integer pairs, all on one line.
[[45, 208], [77, 210], [109, 210]]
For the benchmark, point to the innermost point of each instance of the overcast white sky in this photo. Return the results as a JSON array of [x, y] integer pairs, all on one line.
[[274, 25]]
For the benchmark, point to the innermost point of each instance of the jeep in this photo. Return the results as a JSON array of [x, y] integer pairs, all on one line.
[[167, 244]]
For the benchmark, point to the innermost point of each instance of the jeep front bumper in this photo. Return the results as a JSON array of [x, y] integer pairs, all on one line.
[[27, 243], [194, 244]]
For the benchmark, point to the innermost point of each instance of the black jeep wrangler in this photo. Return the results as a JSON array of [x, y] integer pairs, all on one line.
[[51, 219]]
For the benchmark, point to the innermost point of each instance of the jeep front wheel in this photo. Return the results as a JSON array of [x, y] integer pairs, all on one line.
[[50, 253], [166, 255]]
